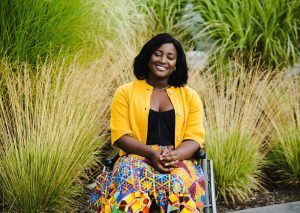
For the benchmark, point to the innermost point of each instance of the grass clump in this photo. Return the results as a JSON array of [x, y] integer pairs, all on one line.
[[266, 29], [123, 27], [50, 122], [164, 13], [284, 144], [237, 164], [236, 126], [179, 18], [38, 28], [285, 156]]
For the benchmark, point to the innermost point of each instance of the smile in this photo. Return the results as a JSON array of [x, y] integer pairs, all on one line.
[[161, 68]]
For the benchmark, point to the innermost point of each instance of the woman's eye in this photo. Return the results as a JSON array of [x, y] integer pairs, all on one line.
[[157, 54]]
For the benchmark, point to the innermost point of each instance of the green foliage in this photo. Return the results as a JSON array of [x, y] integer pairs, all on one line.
[[123, 28], [166, 13], [237, 164], [39, 28], [50, 115], [285, 156], [49, 133], [236, 127], [189, 27], [267, 29], [59, 29], [284, 145], [179, 18]]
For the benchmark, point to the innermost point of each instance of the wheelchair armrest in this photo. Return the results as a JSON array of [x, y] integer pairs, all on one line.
[[200, 154], [112, 158]]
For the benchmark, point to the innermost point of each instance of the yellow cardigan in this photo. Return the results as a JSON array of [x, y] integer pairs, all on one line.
[[130, 110]]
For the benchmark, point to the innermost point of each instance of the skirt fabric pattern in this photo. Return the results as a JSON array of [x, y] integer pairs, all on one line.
[[134, 184]]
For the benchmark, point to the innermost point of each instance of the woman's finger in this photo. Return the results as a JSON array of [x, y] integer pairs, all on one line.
[[173, 163], [164, 169], [170, 156]]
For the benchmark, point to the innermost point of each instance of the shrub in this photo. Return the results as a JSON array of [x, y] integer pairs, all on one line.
[[285, 156], [165, 13], [179, 18], [38, 28], [236, 127], [237, 164], [267, 29], [50, 122], [285, 141], [124, 29]]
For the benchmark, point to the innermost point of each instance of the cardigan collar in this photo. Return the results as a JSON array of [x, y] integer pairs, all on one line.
[[143, 84]]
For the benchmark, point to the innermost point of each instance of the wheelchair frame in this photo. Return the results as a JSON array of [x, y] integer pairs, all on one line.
[[207, 166]]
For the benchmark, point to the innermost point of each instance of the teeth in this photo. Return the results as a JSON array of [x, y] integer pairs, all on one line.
[[161, 68]]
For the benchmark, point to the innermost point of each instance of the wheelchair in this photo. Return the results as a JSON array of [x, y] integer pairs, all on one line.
[[207, 166]]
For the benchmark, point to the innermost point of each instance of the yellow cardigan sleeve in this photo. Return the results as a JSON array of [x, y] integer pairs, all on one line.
[[119, 121], [194, 126]]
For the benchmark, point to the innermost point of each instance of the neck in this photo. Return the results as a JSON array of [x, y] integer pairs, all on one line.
[[158, 84]]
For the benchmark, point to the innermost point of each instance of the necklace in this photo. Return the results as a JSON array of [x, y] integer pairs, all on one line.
[[162, 88]]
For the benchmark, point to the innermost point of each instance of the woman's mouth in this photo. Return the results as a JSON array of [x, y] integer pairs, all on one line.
[[161, 68]]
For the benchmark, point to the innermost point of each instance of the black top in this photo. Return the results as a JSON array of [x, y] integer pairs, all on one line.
[[161, 128]]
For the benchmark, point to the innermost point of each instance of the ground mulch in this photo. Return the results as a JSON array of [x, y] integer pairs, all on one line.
[[273, 195]]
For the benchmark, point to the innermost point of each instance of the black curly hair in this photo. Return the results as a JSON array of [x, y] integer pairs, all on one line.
[[140, 65]]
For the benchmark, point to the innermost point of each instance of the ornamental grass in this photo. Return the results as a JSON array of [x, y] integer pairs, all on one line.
[[284, 144], [35, 30], [236, 126], [52, 123], [266, 29]]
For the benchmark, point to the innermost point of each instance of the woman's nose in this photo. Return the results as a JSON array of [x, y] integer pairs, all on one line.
[[163, 59]]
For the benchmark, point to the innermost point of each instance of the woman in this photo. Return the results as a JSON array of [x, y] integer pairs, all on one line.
[[157, 122]]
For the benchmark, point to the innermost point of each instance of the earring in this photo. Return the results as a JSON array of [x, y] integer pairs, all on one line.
[[174, 69]]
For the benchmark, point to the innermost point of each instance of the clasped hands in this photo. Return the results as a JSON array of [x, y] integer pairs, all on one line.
[[166, 160]]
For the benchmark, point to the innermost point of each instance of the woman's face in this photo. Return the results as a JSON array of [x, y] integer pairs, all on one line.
[[162, 62]]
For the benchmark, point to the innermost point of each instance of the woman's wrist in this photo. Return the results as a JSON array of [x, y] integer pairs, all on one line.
[[179, 154], [150, 153], [187, 149]]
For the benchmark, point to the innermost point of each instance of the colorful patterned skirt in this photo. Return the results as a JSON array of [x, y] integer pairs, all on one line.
[[134, 185]]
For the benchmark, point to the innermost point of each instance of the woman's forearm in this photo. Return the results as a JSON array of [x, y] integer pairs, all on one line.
[[132, 146], [187, 149]]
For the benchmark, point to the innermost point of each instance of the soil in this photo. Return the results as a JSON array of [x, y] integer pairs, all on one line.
[[272, 195]]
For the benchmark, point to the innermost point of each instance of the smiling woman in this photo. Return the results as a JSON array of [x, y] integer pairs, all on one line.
[[163, 61], [157, 122]]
